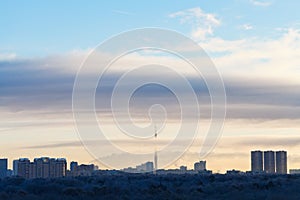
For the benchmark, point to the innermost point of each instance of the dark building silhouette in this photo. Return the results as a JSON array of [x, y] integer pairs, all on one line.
[[43, 167], [73, 165], [281, 162], [60, 167], [200, 166], [22, 167], [3, 167], [183, 168], [15, 167], [83, 170], [145, 167], [32, 170], [269, 162], [257, 161]]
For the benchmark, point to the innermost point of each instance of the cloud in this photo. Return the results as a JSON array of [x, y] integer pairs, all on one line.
[[273, 142], [203, 23], [45, 84], [273, 58], [247, 27], [260, 3], [260, 58], [7, 56]]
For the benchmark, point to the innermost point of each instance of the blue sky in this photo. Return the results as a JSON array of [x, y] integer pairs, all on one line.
[[34, 28], [255, 45]]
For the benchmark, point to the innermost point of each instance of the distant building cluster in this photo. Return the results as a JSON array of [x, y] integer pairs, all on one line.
[[145, 167], [294, 171], [269, 162], [199, 167], [44, 167], [81, 170]]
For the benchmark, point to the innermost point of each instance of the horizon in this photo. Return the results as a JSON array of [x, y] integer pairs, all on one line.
[[69, 163]]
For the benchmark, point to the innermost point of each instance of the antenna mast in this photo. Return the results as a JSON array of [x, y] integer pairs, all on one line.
[[155, 154]]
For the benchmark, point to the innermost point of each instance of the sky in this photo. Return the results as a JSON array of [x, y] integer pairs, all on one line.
[[254, 45]]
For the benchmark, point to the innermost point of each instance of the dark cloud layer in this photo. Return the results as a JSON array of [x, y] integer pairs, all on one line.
[[37, 85]]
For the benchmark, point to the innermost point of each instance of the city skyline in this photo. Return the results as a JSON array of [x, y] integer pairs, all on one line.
[[269, 162]]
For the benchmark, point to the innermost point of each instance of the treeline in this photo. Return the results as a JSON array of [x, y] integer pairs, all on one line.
[[149, 186]]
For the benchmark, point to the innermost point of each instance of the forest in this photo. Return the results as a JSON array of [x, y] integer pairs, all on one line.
[[150, 186]]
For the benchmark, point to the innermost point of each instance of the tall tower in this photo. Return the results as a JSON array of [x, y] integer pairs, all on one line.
[[269, 162], [281, 162], [155, 154], [256, 161]]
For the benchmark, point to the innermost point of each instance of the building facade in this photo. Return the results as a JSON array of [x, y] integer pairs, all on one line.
[[15, 167], [200, 166], [183, 168], [145, 167], [32, 170], [23, 167], [3, 167], [60, 167], [294, 171], [269, 162], [73, 165], [281, 162], [257, 161], [43, 167], [83, 170]]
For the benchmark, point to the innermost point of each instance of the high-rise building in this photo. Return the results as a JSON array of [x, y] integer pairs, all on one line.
[[44, 167], [200, 166], [281, 162], [145, 167], [23, 167], [32, 170], [15, 167], [52, 167], [3, 167], [269, 162], [73, 165], [256, 161], [149, 166], [84, 170], [60, 167]]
